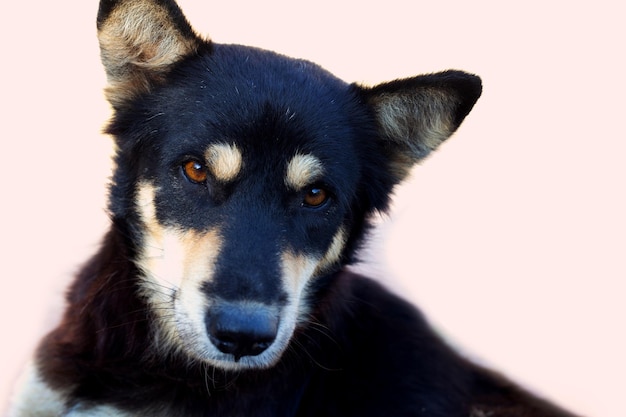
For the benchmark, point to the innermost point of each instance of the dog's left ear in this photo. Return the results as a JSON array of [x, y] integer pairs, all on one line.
[[416, 115]]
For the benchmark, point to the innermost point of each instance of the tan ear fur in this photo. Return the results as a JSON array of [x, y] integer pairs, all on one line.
[[416, 115], [139, 41], [415, 124]]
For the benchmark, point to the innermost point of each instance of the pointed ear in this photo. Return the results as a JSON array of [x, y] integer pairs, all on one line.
[[416, 115], [139, 42]]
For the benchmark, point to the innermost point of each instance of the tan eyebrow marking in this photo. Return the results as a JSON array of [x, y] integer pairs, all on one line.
[[224, 161], [302, 170]]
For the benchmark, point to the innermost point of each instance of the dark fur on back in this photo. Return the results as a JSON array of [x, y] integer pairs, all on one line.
[[244, 183]]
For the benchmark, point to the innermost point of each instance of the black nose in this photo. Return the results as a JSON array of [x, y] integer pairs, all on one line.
[[242, 330]]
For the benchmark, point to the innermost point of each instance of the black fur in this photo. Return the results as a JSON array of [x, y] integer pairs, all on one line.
[[364, 353], [361, 351]]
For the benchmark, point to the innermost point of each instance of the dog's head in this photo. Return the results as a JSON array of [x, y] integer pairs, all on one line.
[[246, 176]]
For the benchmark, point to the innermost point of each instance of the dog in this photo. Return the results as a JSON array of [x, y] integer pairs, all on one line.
[[244, 184]]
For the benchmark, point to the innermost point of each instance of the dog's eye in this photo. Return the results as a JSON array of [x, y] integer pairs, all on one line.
[[195, 171], [315, 197]]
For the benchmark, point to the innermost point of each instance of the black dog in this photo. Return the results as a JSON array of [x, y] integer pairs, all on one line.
[[243, 185]]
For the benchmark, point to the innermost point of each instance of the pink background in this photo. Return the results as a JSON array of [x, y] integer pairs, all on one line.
[[512, 237]]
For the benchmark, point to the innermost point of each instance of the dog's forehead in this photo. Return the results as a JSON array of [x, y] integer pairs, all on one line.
[[240, 93]]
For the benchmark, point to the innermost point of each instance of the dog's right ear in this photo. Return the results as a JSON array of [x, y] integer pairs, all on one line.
[[139, 42]]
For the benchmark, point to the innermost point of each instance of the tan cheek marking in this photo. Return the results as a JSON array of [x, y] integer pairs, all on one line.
[[172, 259], [161, 252], [224, 161], [302, 170], [147, 211], [297, 270], [200, 253], [175, 269], [333, 254]]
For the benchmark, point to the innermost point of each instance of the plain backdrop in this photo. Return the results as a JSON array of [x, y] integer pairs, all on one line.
[[512, 237]]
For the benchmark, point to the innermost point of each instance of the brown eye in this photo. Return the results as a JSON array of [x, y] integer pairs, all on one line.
[[315, 197], [195, 171]]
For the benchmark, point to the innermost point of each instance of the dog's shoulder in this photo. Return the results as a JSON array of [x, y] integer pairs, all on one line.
[[415, 372], [373, 309]]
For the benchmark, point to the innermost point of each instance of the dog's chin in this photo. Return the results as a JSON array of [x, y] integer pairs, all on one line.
[[228, 362]]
